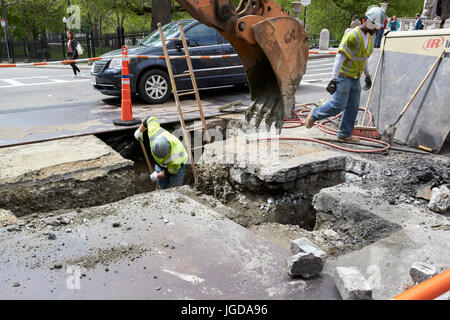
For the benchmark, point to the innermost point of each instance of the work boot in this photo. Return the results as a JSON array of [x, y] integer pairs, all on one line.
[[309, 122], [349, 139]]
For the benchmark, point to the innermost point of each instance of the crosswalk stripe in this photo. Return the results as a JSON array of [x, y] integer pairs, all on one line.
[[318, 74], [20, 84], [12, 82]]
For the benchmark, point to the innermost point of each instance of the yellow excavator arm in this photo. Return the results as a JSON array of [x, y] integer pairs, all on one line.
[[272, 46]]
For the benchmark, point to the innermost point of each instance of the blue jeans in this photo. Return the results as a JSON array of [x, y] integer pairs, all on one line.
[[173, 180], [345, 99], [378, 38]]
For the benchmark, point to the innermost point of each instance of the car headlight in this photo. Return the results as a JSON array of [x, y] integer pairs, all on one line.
[[116, 63]]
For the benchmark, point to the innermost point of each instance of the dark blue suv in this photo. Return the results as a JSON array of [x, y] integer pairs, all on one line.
[[149, 77]]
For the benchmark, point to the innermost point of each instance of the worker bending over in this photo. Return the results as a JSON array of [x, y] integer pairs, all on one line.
[[351, 61], [169, 154]]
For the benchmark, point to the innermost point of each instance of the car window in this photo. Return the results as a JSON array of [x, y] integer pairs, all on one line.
[[201, 35], [170, 30]]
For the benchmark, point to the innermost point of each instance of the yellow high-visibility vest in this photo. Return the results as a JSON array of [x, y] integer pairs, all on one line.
[[177, 155], [352, 45]]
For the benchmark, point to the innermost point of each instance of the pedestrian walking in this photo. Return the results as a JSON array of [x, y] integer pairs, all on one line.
[[345, 86], [355, 22], [380, 34], [418, 25], [72, 53], [394, 25], [168, 151]]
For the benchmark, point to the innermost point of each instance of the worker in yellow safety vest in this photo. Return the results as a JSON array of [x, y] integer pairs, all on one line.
[[351, 62], [167, 150]]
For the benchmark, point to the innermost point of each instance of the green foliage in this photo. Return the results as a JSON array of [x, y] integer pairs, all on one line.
[[31, 18]]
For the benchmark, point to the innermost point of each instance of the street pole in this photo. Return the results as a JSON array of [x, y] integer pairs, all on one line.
[[70, 14], [5, 29], [7, 45], [304, 18]]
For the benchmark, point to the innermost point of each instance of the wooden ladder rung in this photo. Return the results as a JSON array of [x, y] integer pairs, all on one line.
[[172, 39], [191, 111], [194, 148], [182, 75], [186, 93]]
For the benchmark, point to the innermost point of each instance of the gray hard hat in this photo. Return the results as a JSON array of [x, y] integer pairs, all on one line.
[[161, 147]]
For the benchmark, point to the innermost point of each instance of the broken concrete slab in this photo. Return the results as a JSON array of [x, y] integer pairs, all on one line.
[[355, 223], [67, 173], [253, 159], [204, 256], [305, 265], [421, 271], [440, 200], [352, 285], [387, 261]]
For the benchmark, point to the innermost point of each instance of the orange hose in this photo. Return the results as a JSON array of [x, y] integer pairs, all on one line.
[[428, 290], [301, 114]]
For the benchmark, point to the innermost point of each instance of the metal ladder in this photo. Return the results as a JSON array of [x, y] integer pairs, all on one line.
[[177, 95]]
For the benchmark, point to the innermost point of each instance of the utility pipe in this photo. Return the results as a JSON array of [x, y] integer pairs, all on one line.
[[428, 290]]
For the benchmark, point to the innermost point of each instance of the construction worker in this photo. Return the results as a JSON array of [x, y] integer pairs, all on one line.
[[350, 63], [169, 154]]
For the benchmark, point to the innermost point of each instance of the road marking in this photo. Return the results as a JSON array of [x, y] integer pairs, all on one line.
[[319, 70], [14, 83], [306, 83], [320, 62], [319, 74]]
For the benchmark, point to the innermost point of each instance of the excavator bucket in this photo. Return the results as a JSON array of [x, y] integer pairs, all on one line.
[[272, 46]]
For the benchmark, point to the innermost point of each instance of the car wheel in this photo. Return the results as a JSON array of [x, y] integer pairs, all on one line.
[[154, 87]]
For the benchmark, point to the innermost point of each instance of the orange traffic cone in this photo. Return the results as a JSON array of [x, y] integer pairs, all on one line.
[[127, 112]]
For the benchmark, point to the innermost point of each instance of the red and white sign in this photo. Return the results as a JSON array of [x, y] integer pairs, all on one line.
[[3, 23], [433, 43]]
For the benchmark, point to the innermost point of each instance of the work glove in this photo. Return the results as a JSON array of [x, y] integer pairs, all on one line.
[[368, 81], [332, 86], [138, 134], [154, 176]]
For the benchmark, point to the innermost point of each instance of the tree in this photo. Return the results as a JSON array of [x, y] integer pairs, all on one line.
[[161, 12]]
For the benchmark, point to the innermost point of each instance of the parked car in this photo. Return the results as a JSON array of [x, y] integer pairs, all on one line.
[[149, 77]]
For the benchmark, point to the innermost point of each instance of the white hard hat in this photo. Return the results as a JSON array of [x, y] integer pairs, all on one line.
[[161, 147], [376, 15]]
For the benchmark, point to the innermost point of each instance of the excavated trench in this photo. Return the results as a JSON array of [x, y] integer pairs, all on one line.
[[248, 200]]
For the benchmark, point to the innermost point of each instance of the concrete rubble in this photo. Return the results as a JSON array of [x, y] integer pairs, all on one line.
[[303, 245], [307, 261], [305, 265], [421, 271], [352, 285], [440, 200]]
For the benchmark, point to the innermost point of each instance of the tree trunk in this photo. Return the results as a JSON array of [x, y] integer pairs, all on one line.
[[6, 32], [100, 27], [161, 12]]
